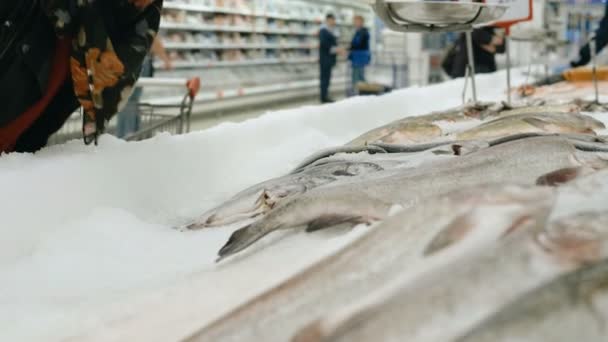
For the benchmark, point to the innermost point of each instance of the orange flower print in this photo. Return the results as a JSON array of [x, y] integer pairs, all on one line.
[[141, 4], [87, 105], [80, 78], [105, 67]]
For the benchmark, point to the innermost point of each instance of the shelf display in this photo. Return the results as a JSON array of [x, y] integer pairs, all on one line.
[[230, 43]]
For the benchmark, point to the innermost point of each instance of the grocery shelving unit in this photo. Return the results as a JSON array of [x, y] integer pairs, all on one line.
[[245, 47]]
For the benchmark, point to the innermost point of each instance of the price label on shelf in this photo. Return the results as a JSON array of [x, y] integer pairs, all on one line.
[[518, 11]]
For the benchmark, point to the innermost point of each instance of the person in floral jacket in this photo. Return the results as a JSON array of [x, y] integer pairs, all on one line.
[[58, 55]]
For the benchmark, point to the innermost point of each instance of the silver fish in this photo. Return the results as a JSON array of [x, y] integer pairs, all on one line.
[[576, 234], [370, 262], [422, 128], [447, 301], [515, 162], [262, 197], [336, 150], [533, 123]]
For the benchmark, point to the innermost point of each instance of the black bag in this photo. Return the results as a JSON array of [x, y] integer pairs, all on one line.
[[450, 58], [26, 45]]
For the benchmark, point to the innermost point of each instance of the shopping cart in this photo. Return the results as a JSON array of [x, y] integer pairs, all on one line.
[[155, 118]]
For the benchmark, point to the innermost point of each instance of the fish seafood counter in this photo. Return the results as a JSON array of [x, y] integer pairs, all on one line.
[[494, 231]]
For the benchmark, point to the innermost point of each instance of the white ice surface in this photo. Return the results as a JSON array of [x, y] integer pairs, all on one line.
[[88, 251]]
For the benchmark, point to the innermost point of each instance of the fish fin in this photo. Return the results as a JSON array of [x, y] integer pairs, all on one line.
[[331, 220], [559, 177], [311, 333], [454, 232], [536, 122]]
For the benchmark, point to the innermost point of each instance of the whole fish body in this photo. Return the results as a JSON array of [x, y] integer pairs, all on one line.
[[423, 128], [368, 263], [533, 123], [520, 161], [260, 198]]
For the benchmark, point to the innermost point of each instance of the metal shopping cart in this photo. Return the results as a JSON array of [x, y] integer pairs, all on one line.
[[155, 118]]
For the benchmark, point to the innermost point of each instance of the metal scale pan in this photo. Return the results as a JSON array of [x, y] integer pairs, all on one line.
[[440, 16], [436, 15]]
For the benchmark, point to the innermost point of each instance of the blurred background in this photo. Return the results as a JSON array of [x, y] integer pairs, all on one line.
[[253, 56]]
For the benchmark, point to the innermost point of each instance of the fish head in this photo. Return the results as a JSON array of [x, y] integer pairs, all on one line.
[[251, 205]]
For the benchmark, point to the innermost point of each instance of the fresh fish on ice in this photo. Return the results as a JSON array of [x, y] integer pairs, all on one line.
[[371, 261], [521, 161], [260, 198], [447, 301], [536, 123]]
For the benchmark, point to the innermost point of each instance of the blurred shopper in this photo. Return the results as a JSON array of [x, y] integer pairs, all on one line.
[[601, 36], [58, 55], [487, 42], [360, 55], [328, 51], [129, 119]]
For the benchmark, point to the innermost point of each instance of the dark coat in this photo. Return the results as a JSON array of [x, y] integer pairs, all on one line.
[[601, 36], [104, 66], [360, 54], [327, 42], [485, 62]]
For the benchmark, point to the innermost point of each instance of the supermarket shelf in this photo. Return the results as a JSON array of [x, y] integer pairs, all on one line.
[[242, 92], [207, 46], [243, 12], [204, 9], [214, 64], [225, 28]]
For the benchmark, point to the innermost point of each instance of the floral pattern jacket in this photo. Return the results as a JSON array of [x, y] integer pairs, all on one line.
[[110, 39]]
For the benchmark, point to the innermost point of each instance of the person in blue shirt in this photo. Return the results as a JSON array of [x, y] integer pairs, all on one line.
[[328, 51], [601, 36], [360, 55]]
